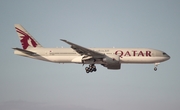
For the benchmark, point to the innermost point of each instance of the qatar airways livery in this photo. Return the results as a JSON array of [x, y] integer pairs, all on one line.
[[111, 58]]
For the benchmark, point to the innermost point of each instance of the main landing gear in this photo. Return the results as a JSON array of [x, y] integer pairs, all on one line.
[[91, 68]]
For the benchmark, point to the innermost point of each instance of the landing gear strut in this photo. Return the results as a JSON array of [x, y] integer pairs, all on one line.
[[155, 67], [91, 68]]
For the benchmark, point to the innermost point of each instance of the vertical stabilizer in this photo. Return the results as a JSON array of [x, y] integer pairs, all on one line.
[[26, 39]]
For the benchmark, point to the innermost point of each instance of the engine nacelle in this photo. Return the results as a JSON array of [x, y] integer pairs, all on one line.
[[112, 62]]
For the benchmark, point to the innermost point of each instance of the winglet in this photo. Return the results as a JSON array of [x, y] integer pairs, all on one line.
[[64, 40], [70, 43]]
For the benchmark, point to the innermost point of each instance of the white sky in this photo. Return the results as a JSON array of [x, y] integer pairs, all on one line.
[[27, 84]]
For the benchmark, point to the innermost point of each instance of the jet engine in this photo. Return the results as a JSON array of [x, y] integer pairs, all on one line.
[[112, 62]]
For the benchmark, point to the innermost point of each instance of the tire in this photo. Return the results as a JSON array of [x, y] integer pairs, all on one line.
[[94, 69], [86, 68], [155, 68], [87, 71]]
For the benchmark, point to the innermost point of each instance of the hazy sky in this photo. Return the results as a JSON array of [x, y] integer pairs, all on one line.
[[27, 84]]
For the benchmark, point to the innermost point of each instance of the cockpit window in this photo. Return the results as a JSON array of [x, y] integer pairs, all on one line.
[[164, 53]]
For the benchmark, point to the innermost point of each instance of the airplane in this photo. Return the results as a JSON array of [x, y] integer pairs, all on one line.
[[111, 58]]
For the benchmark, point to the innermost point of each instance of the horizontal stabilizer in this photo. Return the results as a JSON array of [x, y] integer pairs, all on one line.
[[25, 51]]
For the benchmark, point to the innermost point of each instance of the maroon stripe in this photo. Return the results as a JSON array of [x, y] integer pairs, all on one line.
[[20, 31]]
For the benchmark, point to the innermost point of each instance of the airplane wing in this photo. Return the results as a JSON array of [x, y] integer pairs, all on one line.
[[25, 51], [84, 51]]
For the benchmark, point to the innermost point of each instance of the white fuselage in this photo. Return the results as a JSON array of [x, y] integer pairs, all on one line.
[[111, 58], [127, 55]]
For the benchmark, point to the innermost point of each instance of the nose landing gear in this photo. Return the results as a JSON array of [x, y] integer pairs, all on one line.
[[155, 67], [91, 68]]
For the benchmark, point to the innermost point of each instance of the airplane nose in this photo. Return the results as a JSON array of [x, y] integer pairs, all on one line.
[[168, 57]]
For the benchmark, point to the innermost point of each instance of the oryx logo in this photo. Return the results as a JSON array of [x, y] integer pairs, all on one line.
[[25, 39]]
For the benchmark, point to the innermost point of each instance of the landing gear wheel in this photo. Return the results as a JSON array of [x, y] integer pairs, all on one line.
[[94, 69], [155, 68], [87, 71], [86, 68], [91, 68]]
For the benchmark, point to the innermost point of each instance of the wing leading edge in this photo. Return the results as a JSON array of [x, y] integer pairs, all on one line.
[[84, 51]]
